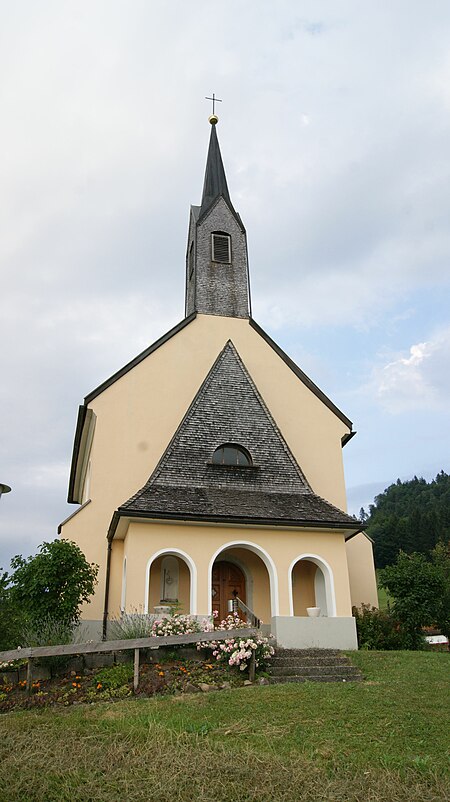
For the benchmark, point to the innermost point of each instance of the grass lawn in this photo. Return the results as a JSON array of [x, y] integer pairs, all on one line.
[[384, 739]]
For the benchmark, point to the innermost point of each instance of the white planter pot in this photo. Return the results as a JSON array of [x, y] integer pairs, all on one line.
[[313, 612]]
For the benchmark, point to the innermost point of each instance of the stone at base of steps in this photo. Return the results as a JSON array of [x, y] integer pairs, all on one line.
[[312, 665]]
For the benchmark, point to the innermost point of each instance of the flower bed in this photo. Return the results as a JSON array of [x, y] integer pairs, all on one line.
[[238, 651]]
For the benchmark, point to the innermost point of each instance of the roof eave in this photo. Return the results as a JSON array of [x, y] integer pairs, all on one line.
[[232, 519]]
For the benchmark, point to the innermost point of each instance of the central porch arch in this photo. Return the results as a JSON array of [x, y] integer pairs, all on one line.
[[234, 552]]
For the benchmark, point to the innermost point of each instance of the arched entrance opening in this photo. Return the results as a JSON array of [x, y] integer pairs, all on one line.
[[239, 569], [311, 586], [228, 582], [169, 582]]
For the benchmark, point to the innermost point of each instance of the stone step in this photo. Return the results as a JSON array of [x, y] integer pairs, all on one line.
[[308, 653], [316, 678], [307, 671], [312, 665], [309, 660]]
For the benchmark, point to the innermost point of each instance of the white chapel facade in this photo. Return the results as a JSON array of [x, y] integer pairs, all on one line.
[[210, 467]]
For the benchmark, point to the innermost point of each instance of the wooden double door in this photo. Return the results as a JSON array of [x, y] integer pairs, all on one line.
[[228, 581]]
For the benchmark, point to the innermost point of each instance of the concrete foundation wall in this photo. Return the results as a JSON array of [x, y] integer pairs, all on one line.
[[295, 632]]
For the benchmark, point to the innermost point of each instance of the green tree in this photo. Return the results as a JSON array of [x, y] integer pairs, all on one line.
[[410, 516], [440, 557], [54, 583], [419, 590]]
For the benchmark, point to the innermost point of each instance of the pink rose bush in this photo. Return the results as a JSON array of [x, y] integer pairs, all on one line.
[[178, 625], [238, 651]]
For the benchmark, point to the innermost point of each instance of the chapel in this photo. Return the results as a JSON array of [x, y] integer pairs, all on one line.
[[209, 468]]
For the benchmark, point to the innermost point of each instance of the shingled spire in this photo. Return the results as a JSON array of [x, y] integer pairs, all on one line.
[[215, 183], [216, 257]]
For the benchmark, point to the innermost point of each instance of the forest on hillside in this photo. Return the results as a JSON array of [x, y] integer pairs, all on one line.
[[410, 516]]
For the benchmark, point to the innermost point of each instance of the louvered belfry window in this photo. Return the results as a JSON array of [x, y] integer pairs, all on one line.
[[221, 247]]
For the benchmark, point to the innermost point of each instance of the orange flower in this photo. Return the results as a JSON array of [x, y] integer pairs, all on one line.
[[99, 686], [161, 673]]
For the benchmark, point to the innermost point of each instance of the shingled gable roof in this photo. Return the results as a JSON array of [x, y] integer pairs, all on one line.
[[186, 485]]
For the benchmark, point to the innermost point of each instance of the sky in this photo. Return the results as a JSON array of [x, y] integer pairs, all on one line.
[[334, 130]]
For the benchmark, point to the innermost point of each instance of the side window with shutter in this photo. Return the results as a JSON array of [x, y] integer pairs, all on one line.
[[221, 247]]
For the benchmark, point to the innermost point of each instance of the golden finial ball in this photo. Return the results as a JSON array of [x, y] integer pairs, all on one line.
[[213, 119]]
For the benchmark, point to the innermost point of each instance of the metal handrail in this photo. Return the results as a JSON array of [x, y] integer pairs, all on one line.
[[252, 619]]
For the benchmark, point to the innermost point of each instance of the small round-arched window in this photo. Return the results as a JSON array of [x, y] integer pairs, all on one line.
[[231, 454]]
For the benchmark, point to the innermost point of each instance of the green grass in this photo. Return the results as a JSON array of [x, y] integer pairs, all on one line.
[[384, 739]]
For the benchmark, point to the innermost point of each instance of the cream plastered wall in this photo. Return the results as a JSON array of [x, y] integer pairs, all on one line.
[[278, 549], [363, 581], [139, 413], [303, 586]]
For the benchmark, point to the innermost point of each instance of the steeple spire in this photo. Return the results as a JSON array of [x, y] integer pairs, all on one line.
[[216, 256], [215, 183]]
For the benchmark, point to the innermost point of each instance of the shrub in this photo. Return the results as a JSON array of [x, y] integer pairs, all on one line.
[[419, 588], [53, 583], [114, 677], [48, 631], [144, 625], [176, 625], [238, 651], [130, 626], [377, 629]]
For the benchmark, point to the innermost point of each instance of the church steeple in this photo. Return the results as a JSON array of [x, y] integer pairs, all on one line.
[[215, 183], [216, 257]]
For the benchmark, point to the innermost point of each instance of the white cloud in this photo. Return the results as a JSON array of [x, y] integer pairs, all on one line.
[[334, 131], [418, 380]]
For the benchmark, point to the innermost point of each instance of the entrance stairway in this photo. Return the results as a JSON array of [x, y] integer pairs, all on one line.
[[312, 665]]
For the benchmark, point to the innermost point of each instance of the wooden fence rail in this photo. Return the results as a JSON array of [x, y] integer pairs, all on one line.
[[30, 653]]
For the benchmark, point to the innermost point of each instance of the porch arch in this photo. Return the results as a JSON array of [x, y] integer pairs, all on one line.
[[168, 552], [266, 559], [325, 586]]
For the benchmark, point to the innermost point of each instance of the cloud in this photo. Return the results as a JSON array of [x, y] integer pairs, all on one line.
[[417, 380], [334, 130]]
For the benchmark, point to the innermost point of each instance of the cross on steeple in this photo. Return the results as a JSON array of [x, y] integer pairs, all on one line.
[[214, 101]]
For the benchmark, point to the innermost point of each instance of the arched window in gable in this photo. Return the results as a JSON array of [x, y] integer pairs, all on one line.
[[231, 454]]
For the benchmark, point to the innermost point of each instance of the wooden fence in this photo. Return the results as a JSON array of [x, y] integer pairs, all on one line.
[[31, 653]]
